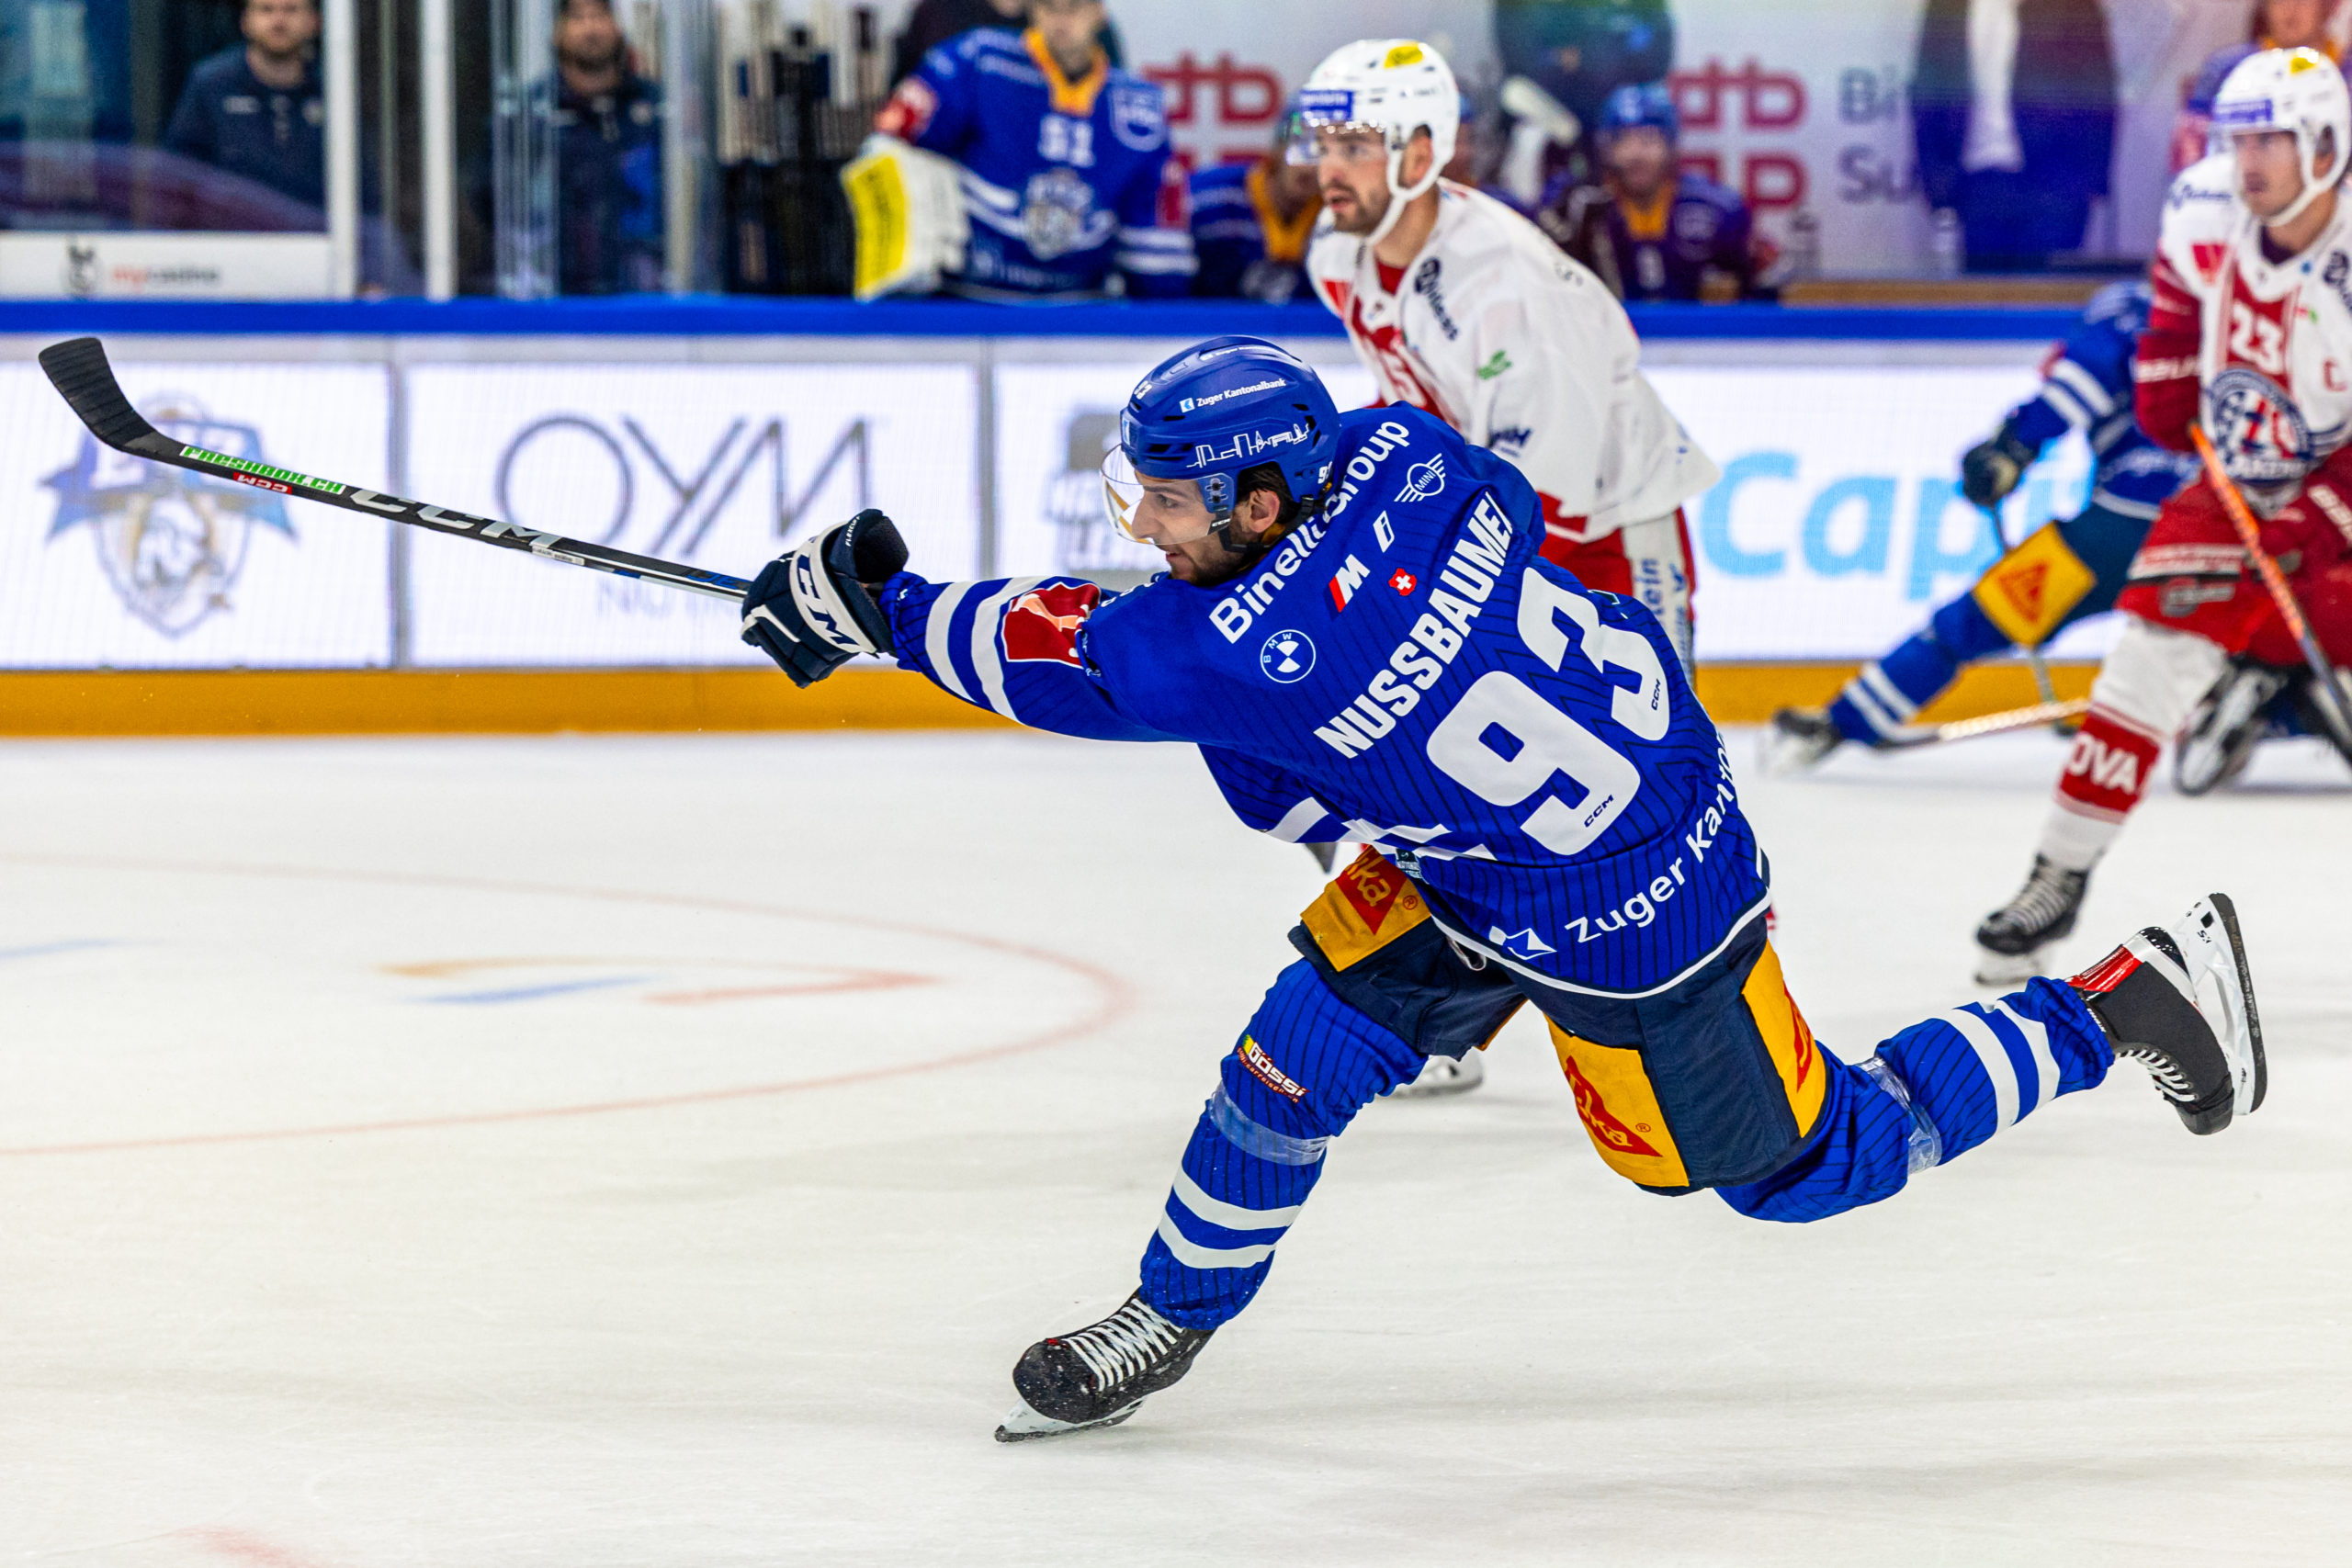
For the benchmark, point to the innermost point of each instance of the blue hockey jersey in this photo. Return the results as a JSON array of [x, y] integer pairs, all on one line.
[[1405, 672], [1244, 247], [2087, 385], [1061, 179]]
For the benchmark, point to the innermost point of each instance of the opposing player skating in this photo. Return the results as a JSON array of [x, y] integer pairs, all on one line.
[[2064, 572], [1359, 632], [2250, 327], [1463, 309]]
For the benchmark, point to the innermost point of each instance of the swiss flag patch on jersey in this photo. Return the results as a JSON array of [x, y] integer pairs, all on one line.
[[1042, 627]]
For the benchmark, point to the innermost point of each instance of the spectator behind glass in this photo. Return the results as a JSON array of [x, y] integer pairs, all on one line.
[[2277, 24], [1251, 221], [1062, 157], [2013, 109], [1580, 51], [608, 158], [256, 110], [1649, 230], [935, 22]]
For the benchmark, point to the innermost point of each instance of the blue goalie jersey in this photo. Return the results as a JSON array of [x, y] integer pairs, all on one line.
[[1405, 672], [1061, 180]]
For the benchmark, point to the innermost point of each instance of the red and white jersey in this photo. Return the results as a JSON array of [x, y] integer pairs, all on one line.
[[1525, 351], [2260, 350]]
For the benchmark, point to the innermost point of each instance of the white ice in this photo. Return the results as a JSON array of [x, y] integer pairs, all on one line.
[[595, 1152]]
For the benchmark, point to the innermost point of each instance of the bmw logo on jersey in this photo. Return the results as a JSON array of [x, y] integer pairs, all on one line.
[[1286, 656]]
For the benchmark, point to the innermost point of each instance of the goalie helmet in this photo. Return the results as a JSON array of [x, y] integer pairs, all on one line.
[[2297, 91], [1390, 87], [1214, 411]]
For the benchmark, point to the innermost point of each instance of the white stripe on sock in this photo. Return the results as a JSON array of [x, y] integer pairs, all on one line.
[[1873, 675], [1193, 1256], [2036, 1044], [1997, 1065], [1875, 715], [1232, 1216]]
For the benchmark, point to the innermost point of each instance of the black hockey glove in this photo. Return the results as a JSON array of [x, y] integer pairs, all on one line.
[[1990, 470], [811, 609]]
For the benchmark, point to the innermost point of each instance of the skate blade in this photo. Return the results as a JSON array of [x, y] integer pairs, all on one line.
[[1025, 1425], [2250, 1066], [2009, 969]]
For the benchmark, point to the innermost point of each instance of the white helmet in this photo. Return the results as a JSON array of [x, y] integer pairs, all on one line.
[[1393, 87], [2297, 90]]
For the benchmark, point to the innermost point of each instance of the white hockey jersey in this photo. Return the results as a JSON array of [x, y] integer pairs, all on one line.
[[1523, 351], [2272, 356]]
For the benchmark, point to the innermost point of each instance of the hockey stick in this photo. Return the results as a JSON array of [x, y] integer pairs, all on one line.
[[2332, 709], [79, 371], [2051, 713], [2034, 661]]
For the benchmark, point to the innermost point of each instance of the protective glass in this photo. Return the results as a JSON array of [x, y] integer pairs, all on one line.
[[1123, 503]]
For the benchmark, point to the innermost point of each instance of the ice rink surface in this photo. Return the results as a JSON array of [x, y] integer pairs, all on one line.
[[595, 1152]]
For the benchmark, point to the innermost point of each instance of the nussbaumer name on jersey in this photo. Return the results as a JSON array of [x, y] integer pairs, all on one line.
[[1466, 581], [1237, 610]]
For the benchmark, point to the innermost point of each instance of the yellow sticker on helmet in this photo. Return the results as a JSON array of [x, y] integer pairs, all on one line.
[[2303, 60], [1402, 54]]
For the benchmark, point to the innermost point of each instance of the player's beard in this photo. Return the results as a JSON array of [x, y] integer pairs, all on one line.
[[1366, 217]]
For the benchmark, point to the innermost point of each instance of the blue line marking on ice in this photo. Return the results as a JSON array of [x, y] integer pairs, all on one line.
[[47, 948], [533, 993]]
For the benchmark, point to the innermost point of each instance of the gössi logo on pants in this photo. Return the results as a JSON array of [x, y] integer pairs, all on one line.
[[1286, 656]]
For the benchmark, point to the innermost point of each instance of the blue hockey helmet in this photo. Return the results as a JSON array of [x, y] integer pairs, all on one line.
[[1214, 410], [1632, 105]]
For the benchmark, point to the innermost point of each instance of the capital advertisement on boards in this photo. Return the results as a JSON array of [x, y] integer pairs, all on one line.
[[716, 466], [111, 562]]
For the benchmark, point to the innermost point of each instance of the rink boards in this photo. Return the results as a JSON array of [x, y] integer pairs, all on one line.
[[1835, 528]]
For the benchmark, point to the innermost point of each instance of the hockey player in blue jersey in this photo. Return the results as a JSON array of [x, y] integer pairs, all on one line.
[[1357, 630], [2063, 573], [1062, 157]]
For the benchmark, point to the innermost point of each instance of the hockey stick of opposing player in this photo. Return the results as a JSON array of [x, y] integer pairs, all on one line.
[[79, 371], [2333, 707], [2052, 713]]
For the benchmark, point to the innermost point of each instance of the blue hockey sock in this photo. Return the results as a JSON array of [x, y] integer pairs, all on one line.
[[1887, 693], [1933, 1092], [1302, 1070]]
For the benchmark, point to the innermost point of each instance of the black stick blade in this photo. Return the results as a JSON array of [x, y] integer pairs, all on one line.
[[78, 369]]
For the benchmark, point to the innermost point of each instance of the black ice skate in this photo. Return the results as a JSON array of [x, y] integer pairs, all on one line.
[[2010, 942], [1799, 739], [2180, 1002], [2221, 735], [1100, 1375]]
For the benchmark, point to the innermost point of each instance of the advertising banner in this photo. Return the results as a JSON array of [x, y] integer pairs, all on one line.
[[1838, 523], [1054, 424], [718, 466], [107, 560]]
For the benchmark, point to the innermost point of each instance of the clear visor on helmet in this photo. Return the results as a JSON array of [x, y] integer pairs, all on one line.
[[1351, 140], [1147, 517]]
